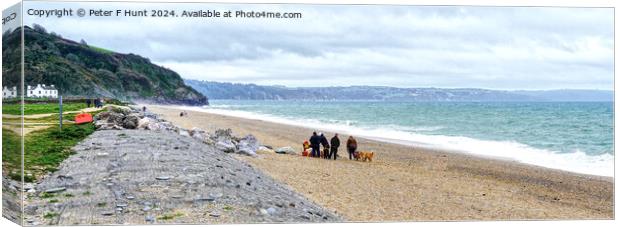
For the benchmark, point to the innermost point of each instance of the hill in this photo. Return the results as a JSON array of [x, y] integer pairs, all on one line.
[[218, 90], [81, 70]]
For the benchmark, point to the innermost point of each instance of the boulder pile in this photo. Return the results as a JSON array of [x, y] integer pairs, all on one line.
[[121, 117]]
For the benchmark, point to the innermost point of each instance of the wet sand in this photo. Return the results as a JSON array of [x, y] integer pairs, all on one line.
[[406, 183]]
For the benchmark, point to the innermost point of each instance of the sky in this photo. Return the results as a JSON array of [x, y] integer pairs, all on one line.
[[508, 48]]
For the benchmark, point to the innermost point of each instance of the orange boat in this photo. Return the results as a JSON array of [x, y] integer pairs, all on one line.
[[83, 118]]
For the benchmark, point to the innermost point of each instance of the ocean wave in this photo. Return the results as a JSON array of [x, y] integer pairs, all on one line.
[[576, 161]]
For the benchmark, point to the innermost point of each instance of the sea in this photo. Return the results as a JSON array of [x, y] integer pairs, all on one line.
[[570, 136]]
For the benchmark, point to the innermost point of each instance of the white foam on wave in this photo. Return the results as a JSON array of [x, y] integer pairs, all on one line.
[[577, 161]]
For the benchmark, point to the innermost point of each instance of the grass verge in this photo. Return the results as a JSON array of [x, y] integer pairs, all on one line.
[[44, 150]]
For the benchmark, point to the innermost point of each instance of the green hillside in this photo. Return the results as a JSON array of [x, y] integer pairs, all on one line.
[[80, 70]]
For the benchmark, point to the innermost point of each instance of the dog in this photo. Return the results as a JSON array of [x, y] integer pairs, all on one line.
[[325, 152], [356, 156], [366, 156]]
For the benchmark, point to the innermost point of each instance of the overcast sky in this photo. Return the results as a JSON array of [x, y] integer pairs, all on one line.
[[404, 46]]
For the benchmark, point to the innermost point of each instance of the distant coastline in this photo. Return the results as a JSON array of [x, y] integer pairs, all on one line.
[[239, 91]]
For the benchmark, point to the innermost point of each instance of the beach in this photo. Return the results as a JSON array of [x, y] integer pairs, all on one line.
[[407, 183]]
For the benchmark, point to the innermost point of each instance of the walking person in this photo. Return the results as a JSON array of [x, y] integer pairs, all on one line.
[[335, 143], [325, 144], [351, 146], [88, 101], [315, 144], [97, 103]]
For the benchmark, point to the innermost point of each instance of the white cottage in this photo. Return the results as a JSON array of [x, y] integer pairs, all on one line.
[[8, 93], [42, 91]]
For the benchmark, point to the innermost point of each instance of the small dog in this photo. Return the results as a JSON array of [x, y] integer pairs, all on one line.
[[366, 156]]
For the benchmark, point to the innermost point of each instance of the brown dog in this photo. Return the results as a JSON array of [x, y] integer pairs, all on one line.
[[366, 156], [357, 155]]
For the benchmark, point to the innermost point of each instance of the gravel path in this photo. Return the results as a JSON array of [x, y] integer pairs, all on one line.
[[146, 177]]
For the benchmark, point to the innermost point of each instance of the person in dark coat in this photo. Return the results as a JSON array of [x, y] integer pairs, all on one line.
[[325, 144], [88, 103], [97, 103], [315, 144], [335, 143], [351, 146]]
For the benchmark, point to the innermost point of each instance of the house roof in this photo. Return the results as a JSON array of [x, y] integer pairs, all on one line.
[[51, 87], [10, 88]]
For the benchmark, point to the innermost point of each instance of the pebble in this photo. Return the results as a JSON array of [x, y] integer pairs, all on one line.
[[215, 195], [54, 190], [208, 199], [146, 208], [149, 218], [131, 197], [263, 211], [215, 214], [271, 210], [121, 205], [163, 178], [107, 213]]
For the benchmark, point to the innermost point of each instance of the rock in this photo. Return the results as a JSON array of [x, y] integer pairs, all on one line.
[[200, 136], [131, 121], [163, 178], [124, 110], [107, 213], [55, 190], [204, 198], [226, 146], [248, 145], [272, 211], [264, 150], [216, 195], [207, 140], [223, 135], [145, 122], [153, 126], [182, 132], [196, 131], [215, 214], [263, 211], [130, 197], [114, 118], [286, 150], [149, 218]]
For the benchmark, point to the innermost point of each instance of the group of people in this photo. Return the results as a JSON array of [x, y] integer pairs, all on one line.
[[330, 149], [97, 103]]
